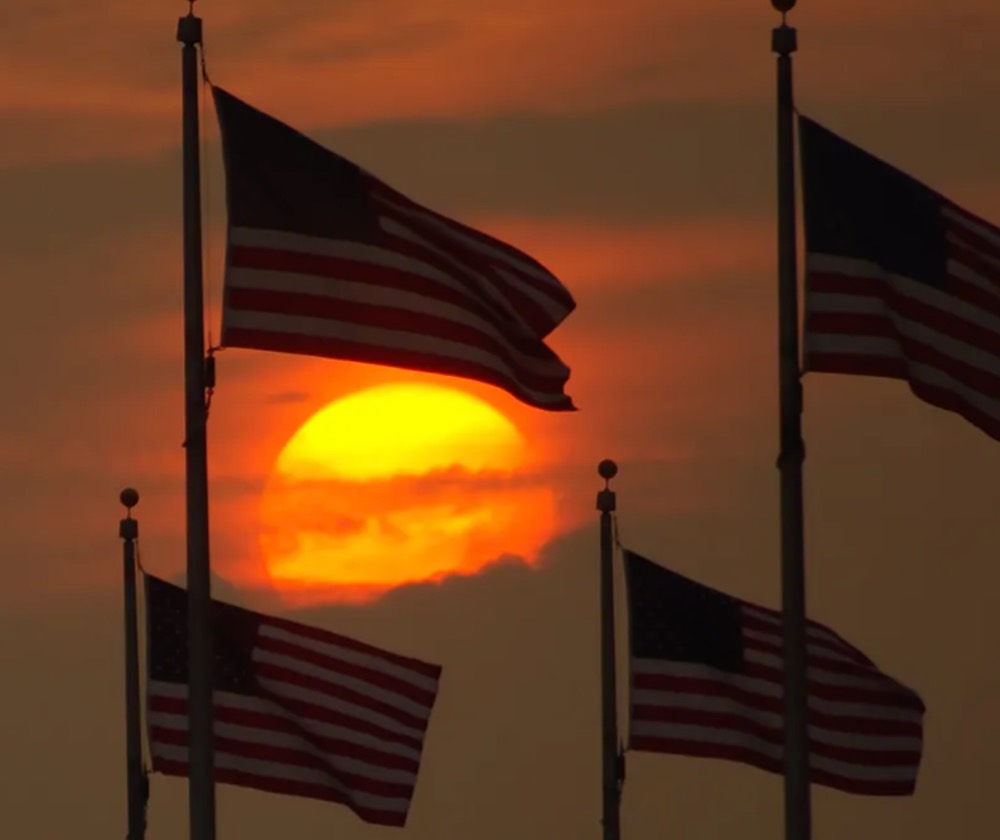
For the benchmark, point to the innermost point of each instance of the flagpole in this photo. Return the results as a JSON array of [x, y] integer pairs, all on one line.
[[201, 796], [611, 766], [128, 530], [792, 452]]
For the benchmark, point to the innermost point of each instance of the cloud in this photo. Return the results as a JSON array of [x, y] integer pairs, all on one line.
[[670, 256], [284, 397], [109, 410], [78, 92], [629, 168], [538, 167]]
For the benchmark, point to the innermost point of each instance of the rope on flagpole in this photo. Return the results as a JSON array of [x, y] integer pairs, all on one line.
[[209, 268]]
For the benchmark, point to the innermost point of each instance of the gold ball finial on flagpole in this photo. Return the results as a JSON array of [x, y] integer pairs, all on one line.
[[129, 497], [607, 469], [783, 6]]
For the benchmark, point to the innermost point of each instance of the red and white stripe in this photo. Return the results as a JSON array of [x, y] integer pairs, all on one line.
[[432, 295], [335, 719], [944, 341], [865, 729]]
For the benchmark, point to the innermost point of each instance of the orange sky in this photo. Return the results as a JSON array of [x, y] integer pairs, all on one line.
[[628, 146]]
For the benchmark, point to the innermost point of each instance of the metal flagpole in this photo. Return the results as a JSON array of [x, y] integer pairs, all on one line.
[[128, 530], [611, 766], [792, 452], [201, 798]]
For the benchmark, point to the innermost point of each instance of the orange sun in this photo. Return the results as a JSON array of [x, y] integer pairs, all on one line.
[[398, 484]]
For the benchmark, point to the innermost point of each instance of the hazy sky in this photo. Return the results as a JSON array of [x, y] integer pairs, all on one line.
[[630, 147]]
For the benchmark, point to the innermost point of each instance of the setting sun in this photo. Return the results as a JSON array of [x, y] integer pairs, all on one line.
[[399, 484]]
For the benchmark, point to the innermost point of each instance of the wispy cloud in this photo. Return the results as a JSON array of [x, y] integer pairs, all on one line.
[[100, 80], [109, 411]]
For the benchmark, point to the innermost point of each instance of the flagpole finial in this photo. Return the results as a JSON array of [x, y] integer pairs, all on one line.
[[129, 497], [189, 27], [607, 470], [128, 528], [784, 40]]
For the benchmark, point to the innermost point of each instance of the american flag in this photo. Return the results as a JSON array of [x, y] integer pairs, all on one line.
[[297, 710], [900, 281], [707, 680], [326, 260]]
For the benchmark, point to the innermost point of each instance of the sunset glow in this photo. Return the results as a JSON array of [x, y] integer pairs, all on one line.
[[397, 484]]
